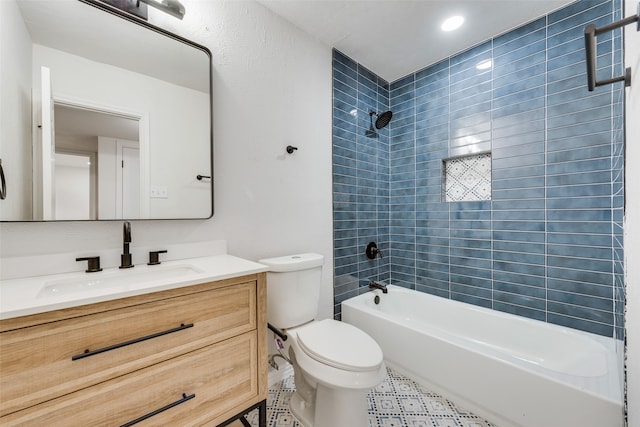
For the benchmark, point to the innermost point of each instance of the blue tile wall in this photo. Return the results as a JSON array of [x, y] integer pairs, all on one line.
[[549, 244], [360, 178]]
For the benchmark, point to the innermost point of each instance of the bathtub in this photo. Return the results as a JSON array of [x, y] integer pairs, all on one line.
[[508, 369]]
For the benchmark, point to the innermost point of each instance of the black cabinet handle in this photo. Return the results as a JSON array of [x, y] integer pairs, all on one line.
[[88, 353], [201, 177], [3, 184], [157, 411]]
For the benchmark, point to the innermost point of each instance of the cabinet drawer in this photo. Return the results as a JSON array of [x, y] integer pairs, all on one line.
[[36, 362], [208, 381]]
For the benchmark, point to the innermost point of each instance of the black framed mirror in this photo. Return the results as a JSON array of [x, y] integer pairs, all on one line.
[[103, 116]]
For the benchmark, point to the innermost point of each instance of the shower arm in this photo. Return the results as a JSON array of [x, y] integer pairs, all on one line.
[[590, 33]]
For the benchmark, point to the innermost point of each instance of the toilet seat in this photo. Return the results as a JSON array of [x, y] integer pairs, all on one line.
[[340, 345]]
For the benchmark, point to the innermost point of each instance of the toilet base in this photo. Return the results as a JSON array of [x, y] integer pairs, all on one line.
[[332, 408], [302, 411]]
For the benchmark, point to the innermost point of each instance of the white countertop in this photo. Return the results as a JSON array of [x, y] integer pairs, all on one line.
[[39, 294]]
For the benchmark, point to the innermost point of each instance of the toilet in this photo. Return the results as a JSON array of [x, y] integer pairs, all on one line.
[[335, 364]]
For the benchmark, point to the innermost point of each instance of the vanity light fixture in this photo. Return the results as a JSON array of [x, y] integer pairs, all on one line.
[[172, 7], [452, 23], [139, 7]]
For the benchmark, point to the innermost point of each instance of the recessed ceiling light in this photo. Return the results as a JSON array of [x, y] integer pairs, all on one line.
[[452, 23]]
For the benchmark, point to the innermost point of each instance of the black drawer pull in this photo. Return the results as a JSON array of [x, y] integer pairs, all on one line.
[[88, 353], [157, 411]]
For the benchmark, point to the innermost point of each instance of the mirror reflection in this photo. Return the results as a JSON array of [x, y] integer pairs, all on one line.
[[100, 125]]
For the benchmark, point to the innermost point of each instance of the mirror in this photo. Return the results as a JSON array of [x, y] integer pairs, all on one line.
[[101, 117]]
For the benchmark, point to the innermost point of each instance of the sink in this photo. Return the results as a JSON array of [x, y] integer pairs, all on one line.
[[111, 279]]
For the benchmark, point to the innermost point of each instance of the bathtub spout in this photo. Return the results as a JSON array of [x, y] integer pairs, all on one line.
[[375, 285]]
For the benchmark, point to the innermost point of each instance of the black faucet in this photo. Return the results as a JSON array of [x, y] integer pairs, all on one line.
[[125, 258], [376, 285]]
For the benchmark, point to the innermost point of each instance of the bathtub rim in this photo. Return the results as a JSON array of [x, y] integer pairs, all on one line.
[[613, 389]]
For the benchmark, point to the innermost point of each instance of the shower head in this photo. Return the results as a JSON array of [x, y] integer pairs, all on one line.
[[383, 119]]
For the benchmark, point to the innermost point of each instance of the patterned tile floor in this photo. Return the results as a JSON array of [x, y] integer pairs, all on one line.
[[396, 402]]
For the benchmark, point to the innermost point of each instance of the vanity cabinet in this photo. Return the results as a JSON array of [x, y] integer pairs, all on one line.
[[195, 355]]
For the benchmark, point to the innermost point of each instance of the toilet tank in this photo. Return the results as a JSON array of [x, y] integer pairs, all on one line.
[[293, 289]]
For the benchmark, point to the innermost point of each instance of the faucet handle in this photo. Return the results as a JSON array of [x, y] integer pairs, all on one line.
[[154, 257], [126, 232], [93, 263], [372, 251]]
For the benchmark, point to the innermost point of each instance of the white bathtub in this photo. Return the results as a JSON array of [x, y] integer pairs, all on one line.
[[508, 369]]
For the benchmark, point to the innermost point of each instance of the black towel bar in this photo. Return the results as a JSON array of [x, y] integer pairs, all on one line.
[[590, 33], [277, 331]]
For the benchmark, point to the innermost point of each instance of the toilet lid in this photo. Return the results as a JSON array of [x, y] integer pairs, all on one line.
[[340, 345]]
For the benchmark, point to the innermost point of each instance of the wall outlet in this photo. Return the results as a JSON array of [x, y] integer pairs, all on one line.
[[159, 192]]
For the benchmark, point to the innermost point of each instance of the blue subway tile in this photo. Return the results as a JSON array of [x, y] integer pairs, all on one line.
[[469, 299], [519, 310], [587, 12], [345, 70], [518, 33], [581, 324], [339, 57], [520, 43], [531, 248], [433, 69], [515, 267], [529, 284], [580, 251], [556, 175], [518, 236], [530, 57], [568, 12], [469, 58]]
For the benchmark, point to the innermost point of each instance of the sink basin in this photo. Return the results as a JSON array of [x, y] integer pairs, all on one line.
[[93, 281]]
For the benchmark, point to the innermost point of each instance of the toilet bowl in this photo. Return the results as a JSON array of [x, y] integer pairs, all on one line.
[[335, 364]]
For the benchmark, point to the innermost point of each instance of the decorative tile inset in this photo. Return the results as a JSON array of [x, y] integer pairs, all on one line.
[[467, 178], [397, 402]]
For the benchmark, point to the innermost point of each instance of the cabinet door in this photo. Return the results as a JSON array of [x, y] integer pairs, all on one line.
[[37, 362], [192, 389]]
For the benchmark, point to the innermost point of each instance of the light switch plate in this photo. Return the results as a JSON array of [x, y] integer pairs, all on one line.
[[159, 192]]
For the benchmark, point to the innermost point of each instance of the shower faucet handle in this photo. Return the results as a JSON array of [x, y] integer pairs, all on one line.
[[372, 251]]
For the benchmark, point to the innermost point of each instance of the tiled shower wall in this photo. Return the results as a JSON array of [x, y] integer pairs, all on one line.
[[360, 177], [548, 245]]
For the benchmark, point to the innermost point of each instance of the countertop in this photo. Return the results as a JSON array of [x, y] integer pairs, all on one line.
[[39, 294]]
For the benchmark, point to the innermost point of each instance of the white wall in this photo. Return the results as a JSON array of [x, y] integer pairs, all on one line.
[[632, 224], [272, 88], [15, 112]]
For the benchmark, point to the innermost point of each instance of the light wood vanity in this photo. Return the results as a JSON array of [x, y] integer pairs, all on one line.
[[190, 356]]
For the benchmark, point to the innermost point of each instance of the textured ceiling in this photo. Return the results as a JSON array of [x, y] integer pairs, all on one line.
[[395, 38]]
